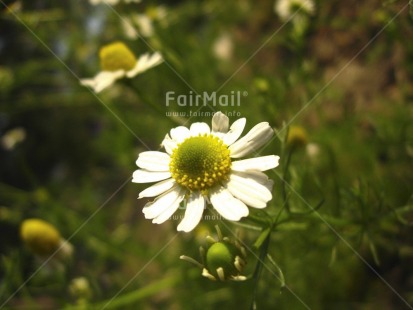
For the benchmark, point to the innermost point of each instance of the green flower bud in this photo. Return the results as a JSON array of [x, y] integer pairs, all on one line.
[[223, 260], [220, 260], [43, 239], [297, 137], [261, 84]]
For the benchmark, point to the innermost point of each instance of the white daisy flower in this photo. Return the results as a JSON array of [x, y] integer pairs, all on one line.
[[198, 167], [287, 8], [117, 61], [143, 24]]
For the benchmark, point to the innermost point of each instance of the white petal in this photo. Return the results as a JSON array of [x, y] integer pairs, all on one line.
[[167, 214], [220, 123], [199, 129], [193, 214], [144, 63], [179, 134], [157, 189], [262, 163], [153, 161], [144, 24], [169, 144], [254, 139], [103, 79], [249, 191], [227, 205], [171, 198], [257, 176], [235, 131], [145, 176]]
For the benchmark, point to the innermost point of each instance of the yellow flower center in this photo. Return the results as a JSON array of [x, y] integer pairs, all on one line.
[[200, 162], [116, 56]]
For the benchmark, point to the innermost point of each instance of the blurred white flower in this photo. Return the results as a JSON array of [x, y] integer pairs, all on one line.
[[117, 61], [285, 9], [142, 24], [313, 150], [130, 30], [112, 2], [12, 137], [80, 289], [223, 47], [197, 168]]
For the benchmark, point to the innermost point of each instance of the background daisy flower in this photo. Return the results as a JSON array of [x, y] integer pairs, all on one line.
[[198, 167], [288, 8], [111, 2], [143, 24], [117, 61]]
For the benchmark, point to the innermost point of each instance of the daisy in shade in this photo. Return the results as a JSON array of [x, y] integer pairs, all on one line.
[[117, 61], [200, 166]]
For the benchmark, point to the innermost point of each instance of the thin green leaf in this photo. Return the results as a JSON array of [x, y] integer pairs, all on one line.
[[261, 238]]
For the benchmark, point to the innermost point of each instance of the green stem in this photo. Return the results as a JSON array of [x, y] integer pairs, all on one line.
[[129, 299], [267, 220], [281, 278], [284, 179], [258, 268], [150, 103]]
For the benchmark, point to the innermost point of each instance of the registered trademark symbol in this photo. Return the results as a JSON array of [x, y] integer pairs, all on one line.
[[245, 93]]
